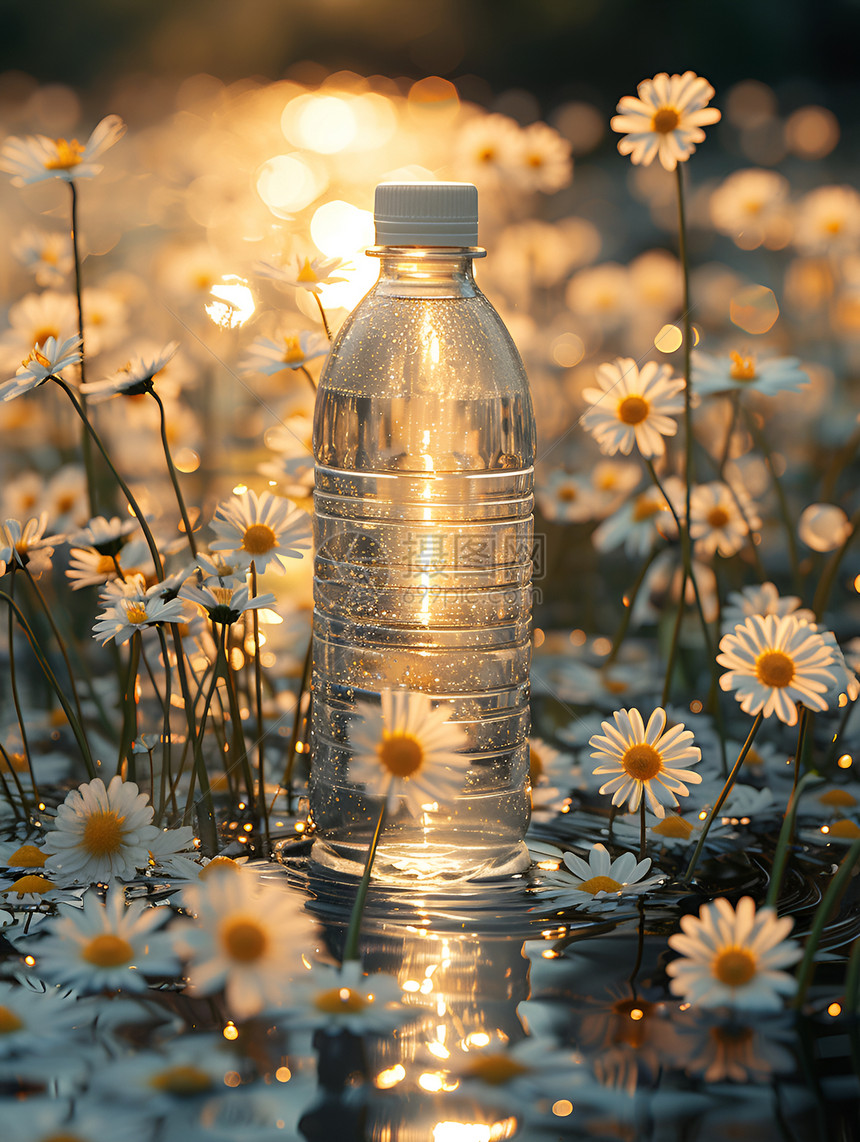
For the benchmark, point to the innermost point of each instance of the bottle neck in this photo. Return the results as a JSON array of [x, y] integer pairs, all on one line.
[[426, 271]]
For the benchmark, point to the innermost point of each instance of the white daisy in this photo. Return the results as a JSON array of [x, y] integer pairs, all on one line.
[[37, 157], [716, 522], [35, 318], [48, 253], [734, 957], [637, 525], [542, 159], [173, 853], [33, 889], [488, 148], [288, 351], [599, 882], [225, 603], [644, 759], [828, 219], [746, 205], [33, 1019], [44, 361], [743, 371], [100, 833], [174, 1081], [774, 663], [666, 119], [22, 854], [569, 497], [633, 406], [343, 998], [89, 568], [27, 546], [309, 273], [65, 497], [242, 938], [130, 608], [106, 535], [761, 600], [135, 377], [263, 529], [409, 748], [103, 945]]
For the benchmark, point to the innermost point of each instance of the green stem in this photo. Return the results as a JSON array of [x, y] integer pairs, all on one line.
[[189, 530], [129, 708], [297, 723], [350, 948], [642, 848], [312, 382], [75, 725], [832, 896], [685, 270], [26, 807], [13, 674], [630, 600], [825, 583], [673, 645], [60, 642], [780, 856], [730, 780], [237, 733], [166, 775], [258, 696], [803, 722], [86, 445], [133, 504], [323, 316]]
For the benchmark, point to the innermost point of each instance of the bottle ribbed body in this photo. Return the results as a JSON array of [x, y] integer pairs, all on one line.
[[424, 447]]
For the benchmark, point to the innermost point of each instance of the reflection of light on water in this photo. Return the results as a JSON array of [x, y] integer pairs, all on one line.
[[234, 304], [435, 1081], [390, 1077]]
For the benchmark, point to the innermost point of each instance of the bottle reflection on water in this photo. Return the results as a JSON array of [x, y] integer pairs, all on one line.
[[424, 446]]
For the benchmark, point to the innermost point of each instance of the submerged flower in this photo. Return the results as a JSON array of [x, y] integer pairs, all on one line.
[[666, 119], [241, 938], [644, 759], [37, 157], [45, 361], [263, 529], [741, 371], [408, 748], [633, 406], [734, 958], [599, 880], [100, 833], [774, 663]]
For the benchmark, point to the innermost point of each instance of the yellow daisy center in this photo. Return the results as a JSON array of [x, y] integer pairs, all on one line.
[[292, 350], [401, 754], [673, 827], [25, 885], [600, 884], [42, 335], [107, 951], [773, 668], [838, 798], [567, 493], [644, 508], [218, 864], [136, 613], [633, 410], [495, 1069], [37, 358], [535, 766], [486, 154], [103, 832], [340, 1001], [718, 518], [833, 225], [69, 154], [743, 368], [307, 273], [27, 856], [185, 1079], [734, 966], [665, 120], [642, 761], [244, 940], [845, 829], [9, 1021], [258, 539]]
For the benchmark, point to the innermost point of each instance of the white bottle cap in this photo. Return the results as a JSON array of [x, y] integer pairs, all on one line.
[[426, 214]]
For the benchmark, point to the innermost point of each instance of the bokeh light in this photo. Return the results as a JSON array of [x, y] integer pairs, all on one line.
[[754, 309]]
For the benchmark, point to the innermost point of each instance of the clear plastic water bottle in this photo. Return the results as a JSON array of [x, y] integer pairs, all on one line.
[[424, 446]]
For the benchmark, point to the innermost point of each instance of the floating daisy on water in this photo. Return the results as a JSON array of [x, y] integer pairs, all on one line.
[[734, 957], [344, 998], [774, 663], [644, 759], [666, 120], [633, 407], [600, 882], [241, 938], [263, 529], [36, 157], [409, 748], [104, 945], [100, 833]]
